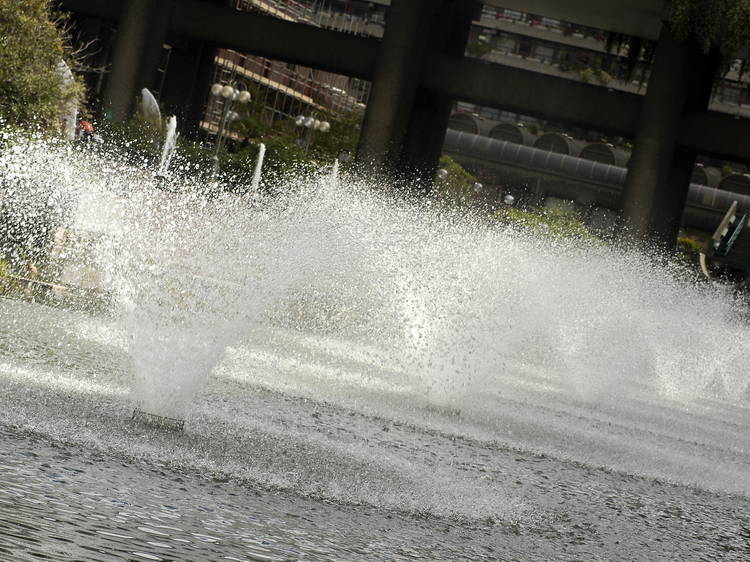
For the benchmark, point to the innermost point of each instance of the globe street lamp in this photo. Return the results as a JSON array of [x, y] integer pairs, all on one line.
[[309, 124], [230, 95]]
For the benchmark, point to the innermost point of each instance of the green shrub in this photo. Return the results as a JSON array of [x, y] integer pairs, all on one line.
[[687, 252], [5, 280], [32, 90], [457, 188], [139, 138], [478, 49], [251, 127], [551, 222], [586, 74], [718, 23], [283, 156], [342, 137], [603, 77], [142, 143]]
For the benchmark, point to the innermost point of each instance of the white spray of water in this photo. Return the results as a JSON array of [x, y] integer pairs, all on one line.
[[170, 144], [258, 167], [69, 113], [335, 171], [149, 107], [433, 314]]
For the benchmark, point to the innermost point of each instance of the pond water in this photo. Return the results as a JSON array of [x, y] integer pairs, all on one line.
[[264, 473]]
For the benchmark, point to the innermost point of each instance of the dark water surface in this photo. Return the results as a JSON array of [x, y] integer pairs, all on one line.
[[297, 449], [61, 503]]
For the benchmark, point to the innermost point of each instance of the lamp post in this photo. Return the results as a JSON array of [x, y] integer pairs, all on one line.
[[230, 95], [309, 124]]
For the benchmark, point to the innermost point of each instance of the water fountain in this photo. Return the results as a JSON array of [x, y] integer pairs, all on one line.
[[391, 378], [258, 167], [69, 113], [149, 107], [170, 144], [335, 171]]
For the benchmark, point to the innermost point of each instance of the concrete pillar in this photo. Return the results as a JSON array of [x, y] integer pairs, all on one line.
[[395, 82], [431, 111], [404, 125], [187, 84], [659, 171], [141, 32]]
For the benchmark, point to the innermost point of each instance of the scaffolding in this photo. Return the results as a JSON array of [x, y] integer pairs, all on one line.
[[282, 91]]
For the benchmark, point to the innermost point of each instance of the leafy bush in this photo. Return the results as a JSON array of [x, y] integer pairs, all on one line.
[[457, 188], [284, 156], [603, 77], [32, 89], [139, 138], [142, 142], [687, 252], [478, 49], [5, 279], [342, 137], [251, 126], [586, 74], [551, 222], [721, 23]]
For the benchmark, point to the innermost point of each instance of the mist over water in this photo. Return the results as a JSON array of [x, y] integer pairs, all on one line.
[[340, 300]]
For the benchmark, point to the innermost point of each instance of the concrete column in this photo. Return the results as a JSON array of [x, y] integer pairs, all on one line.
[[404, 126], [431, 111], [395, 83], [659, 172], [187, 84], [141, 32]]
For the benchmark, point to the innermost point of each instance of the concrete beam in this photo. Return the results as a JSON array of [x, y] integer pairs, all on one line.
[[259, 34], [110, 10], [716, 134], [275, 38], [639, 18], [532, 93]]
